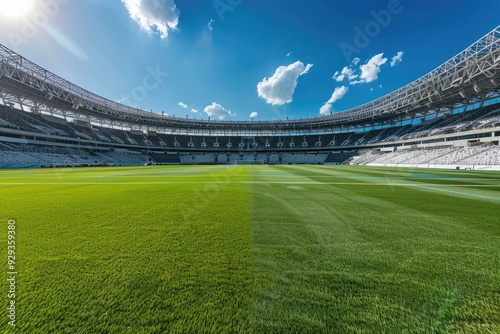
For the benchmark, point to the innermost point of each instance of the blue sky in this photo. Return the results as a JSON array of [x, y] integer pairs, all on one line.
[[233, 59]]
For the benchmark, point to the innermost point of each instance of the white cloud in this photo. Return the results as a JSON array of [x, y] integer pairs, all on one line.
[[218, 111], [289, 54], [370, 70], [159, 16], [325, 109], [338, 93], [345, 73], [397, 58], [194, 111], [253, 115], [279, 89], [183, 105], [211, 25]]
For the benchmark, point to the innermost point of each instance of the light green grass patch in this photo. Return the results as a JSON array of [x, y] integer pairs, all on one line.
[[131, 258]]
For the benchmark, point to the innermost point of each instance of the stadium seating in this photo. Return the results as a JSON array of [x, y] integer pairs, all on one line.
[[59, 142], [476, 155]]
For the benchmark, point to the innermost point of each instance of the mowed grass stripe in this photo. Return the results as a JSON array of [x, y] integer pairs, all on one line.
[[104, 175], [133, 259], [394, 175], [337, 258], [485, 188]]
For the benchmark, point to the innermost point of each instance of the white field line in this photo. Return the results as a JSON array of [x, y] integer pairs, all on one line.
[[372, 178], [260, 182]]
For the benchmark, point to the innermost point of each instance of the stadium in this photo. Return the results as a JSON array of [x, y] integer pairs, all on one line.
[[379, 218], [449, 117]]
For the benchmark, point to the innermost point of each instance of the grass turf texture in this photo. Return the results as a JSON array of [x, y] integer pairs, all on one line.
[[254, 249]]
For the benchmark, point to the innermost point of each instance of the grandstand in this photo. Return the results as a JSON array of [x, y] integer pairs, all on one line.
[[474, 157], [448, 118]]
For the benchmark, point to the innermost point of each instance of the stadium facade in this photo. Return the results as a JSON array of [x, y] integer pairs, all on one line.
[[450, 117]]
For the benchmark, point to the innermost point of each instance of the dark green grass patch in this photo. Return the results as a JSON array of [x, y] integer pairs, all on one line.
[[388, 257]]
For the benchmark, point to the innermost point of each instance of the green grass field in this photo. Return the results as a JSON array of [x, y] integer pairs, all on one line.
[[252, 249]]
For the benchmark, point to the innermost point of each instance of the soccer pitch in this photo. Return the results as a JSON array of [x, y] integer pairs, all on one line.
[[252, 249]]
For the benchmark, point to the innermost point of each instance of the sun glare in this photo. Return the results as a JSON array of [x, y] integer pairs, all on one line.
[[15, 8]]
